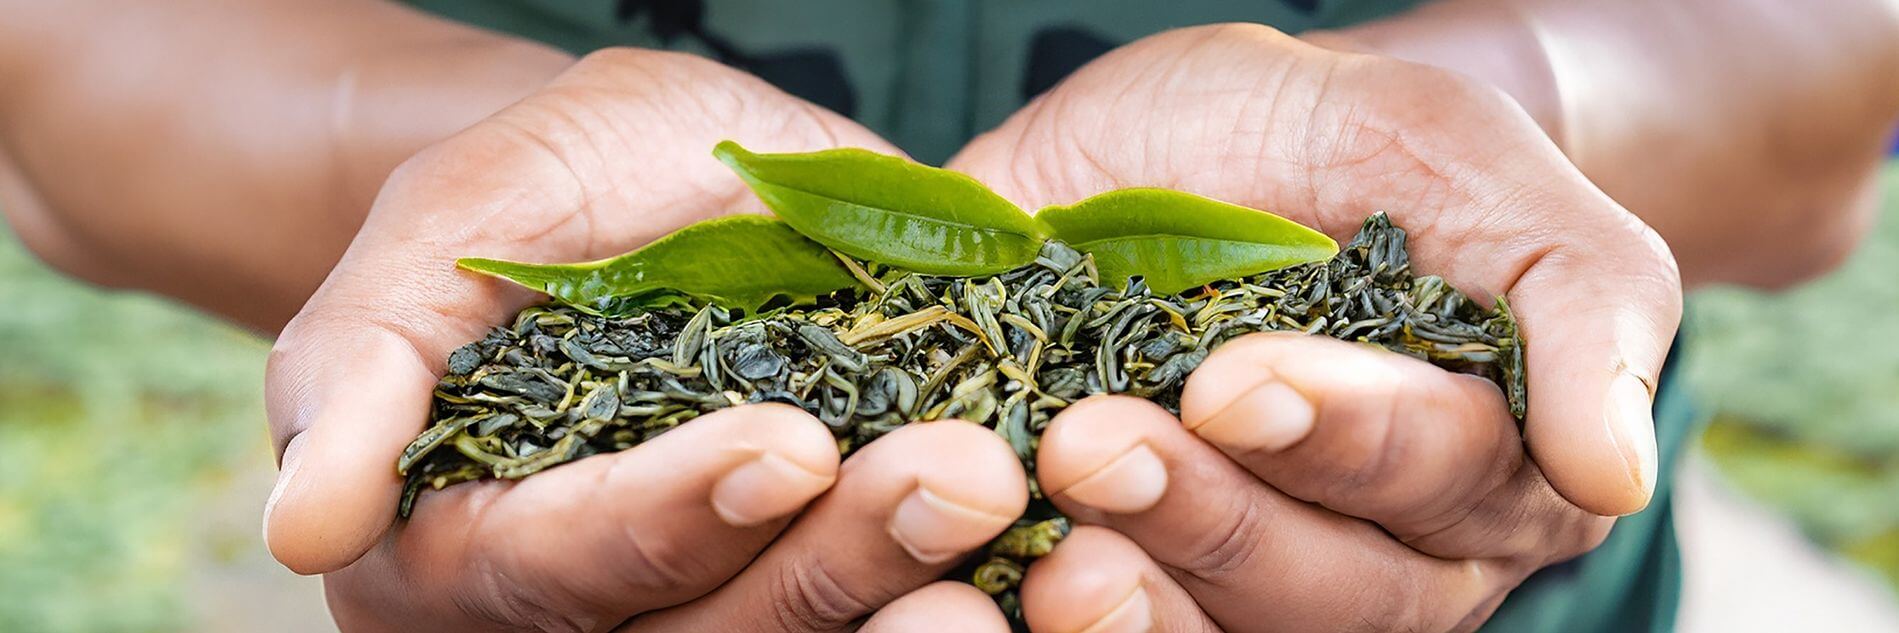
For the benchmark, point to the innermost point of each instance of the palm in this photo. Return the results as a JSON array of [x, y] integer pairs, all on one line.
[[612, 154], [1251, 116], [1320, 138], [1394, 477]]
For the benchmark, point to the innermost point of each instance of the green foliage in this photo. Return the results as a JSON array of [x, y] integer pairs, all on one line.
[[120, 417], [895, 212], [1176, 240], [1805, 386], [736, 261], [1839, 497], [890, 210]]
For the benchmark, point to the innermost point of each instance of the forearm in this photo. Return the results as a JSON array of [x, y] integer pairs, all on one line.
[[1746, 132], [224, 152]]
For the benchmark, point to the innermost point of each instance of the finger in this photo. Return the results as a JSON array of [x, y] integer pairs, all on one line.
[[1246, 552], [1495, 208], [349, 380], [1596, 293], [1432, 456], [593, 542], [1097, 581], [336, 487], [1598, 321], [904, 510], [663, 522], [939, 606]]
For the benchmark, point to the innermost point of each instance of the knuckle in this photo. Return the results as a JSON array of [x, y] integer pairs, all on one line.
[[697, 96], [289, 377], [514, 586], [527, 569], [660, 564], [812, 598], [418, 166], [1371, 451], [620, 57], [492, 598], [283, 387], [1230, 30], [1665, 271], [1232, 546], [1441, 85]]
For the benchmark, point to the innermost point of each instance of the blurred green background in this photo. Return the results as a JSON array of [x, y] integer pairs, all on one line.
[[133, 461], [133, 465], [1804, 388]]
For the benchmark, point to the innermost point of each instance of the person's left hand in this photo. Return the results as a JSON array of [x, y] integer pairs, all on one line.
[[1358, 490]]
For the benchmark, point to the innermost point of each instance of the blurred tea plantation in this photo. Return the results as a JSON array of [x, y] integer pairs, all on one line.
[[133, 461], [1804, 387], [133, 465]]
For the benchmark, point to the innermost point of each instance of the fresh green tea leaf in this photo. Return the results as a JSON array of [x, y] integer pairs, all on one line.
[[890, 210], [737, 261], [1177, 240]]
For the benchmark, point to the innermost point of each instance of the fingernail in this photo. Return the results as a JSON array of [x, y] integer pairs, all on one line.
[[1131, 483], [1270, 417], [1135, 614], [1632, 426], [933, 529], [766, 488]]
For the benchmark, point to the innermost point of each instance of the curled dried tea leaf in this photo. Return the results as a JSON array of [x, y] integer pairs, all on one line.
[[1176, 240], [997, 575], [737, 261], [1009, 351], [890, 210]]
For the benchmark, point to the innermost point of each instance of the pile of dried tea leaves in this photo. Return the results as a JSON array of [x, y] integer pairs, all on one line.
[[1007, 350]]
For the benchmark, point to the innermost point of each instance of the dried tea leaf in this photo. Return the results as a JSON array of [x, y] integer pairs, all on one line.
[[890, 210], [736, 261], [1176, 240], [1009, 350]]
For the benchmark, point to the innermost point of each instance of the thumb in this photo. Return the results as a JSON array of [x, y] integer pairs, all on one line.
[[1598, 320], [349, 384], [343, 401]]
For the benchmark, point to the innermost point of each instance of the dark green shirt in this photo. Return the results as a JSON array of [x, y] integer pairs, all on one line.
[[931, 74]]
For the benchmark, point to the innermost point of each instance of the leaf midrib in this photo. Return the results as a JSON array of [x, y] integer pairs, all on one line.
[[907, 214], [1164, 236]]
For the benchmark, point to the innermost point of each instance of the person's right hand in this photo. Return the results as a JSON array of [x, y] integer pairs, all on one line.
[[687, 532]]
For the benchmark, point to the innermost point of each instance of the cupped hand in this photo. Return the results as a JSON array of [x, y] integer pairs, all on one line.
[[692, 531], [1360, 489]]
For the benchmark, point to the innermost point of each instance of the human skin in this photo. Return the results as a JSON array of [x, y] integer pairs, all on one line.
[[692, 531], [244, 208], [1364, 489], [223, 152], [377, 312], [1325, 134], [1735, 128]]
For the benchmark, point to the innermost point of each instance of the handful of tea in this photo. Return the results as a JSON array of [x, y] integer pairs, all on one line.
[[895, 293]]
